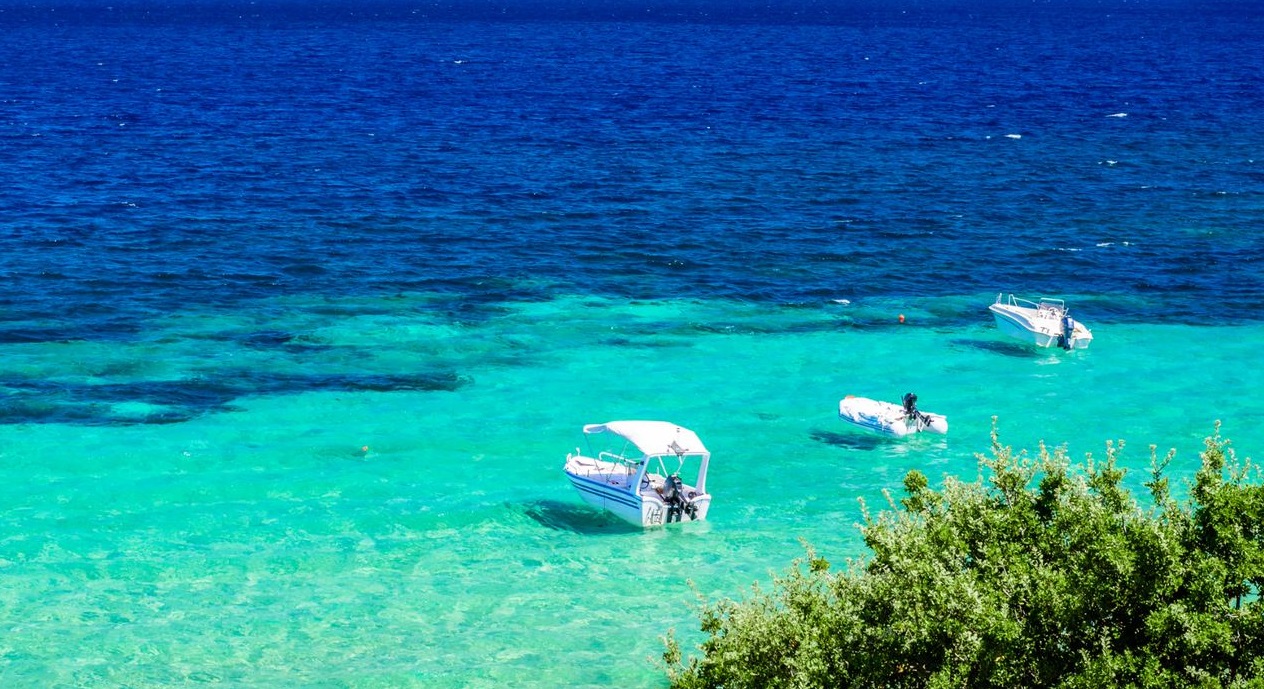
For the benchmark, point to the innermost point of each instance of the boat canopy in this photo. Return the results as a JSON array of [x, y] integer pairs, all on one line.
[[653, 437]]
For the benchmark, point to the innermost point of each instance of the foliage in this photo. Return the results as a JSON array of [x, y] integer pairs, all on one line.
[[1038, 574]]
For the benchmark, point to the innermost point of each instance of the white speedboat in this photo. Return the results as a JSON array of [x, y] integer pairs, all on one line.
[[888, 418], [646, 472], [1045, 323]]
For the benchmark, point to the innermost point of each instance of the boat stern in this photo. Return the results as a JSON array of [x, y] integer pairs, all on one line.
[[658, 512]]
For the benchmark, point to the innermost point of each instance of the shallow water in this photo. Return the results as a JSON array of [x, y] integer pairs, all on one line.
[[259, 542]]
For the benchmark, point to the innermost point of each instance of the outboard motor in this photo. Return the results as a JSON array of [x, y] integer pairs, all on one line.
[[690, 508], [910, 405], [673, 495], [1068, 330], [911, 414]]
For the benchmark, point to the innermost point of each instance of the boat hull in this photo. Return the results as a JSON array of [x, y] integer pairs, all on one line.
[[887, 418], [644, 507], [1032, 327]]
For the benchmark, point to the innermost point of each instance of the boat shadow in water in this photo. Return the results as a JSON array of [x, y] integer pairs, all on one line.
[[1015, 349], [853, 441], [574, 517]]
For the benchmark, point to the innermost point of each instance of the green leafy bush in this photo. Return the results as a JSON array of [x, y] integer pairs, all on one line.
[[1038, 574]]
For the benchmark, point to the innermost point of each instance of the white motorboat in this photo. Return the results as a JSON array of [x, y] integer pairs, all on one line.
[[1045, 323], [646, 472], [891, 419]]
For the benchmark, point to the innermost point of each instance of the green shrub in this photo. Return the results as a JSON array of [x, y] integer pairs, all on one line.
[[1038, 574]]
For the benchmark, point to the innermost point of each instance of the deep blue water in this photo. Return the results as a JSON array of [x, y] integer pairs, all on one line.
[[160, 156]]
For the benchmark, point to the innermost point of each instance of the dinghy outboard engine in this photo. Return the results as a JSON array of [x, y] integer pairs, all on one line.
[[911, 413], [910, 405]]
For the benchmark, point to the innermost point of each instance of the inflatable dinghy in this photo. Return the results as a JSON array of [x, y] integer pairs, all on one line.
[[888, 418]]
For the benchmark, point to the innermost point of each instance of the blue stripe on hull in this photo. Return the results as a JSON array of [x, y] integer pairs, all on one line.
[[605, 491], [868, 424]]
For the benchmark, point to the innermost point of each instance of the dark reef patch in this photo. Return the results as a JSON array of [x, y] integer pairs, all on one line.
[[33, 400]]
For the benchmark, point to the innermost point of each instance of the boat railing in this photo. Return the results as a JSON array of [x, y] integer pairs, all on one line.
[[1045, 304], [611, 457]]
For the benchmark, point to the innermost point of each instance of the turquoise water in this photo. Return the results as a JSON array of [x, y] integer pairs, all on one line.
[[426, 537]]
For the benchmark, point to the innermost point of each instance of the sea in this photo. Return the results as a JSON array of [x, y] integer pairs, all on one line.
[[303, 306]]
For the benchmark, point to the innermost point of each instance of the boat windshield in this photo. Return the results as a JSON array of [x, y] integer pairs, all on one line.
[[1056, 306], [687, 466]]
